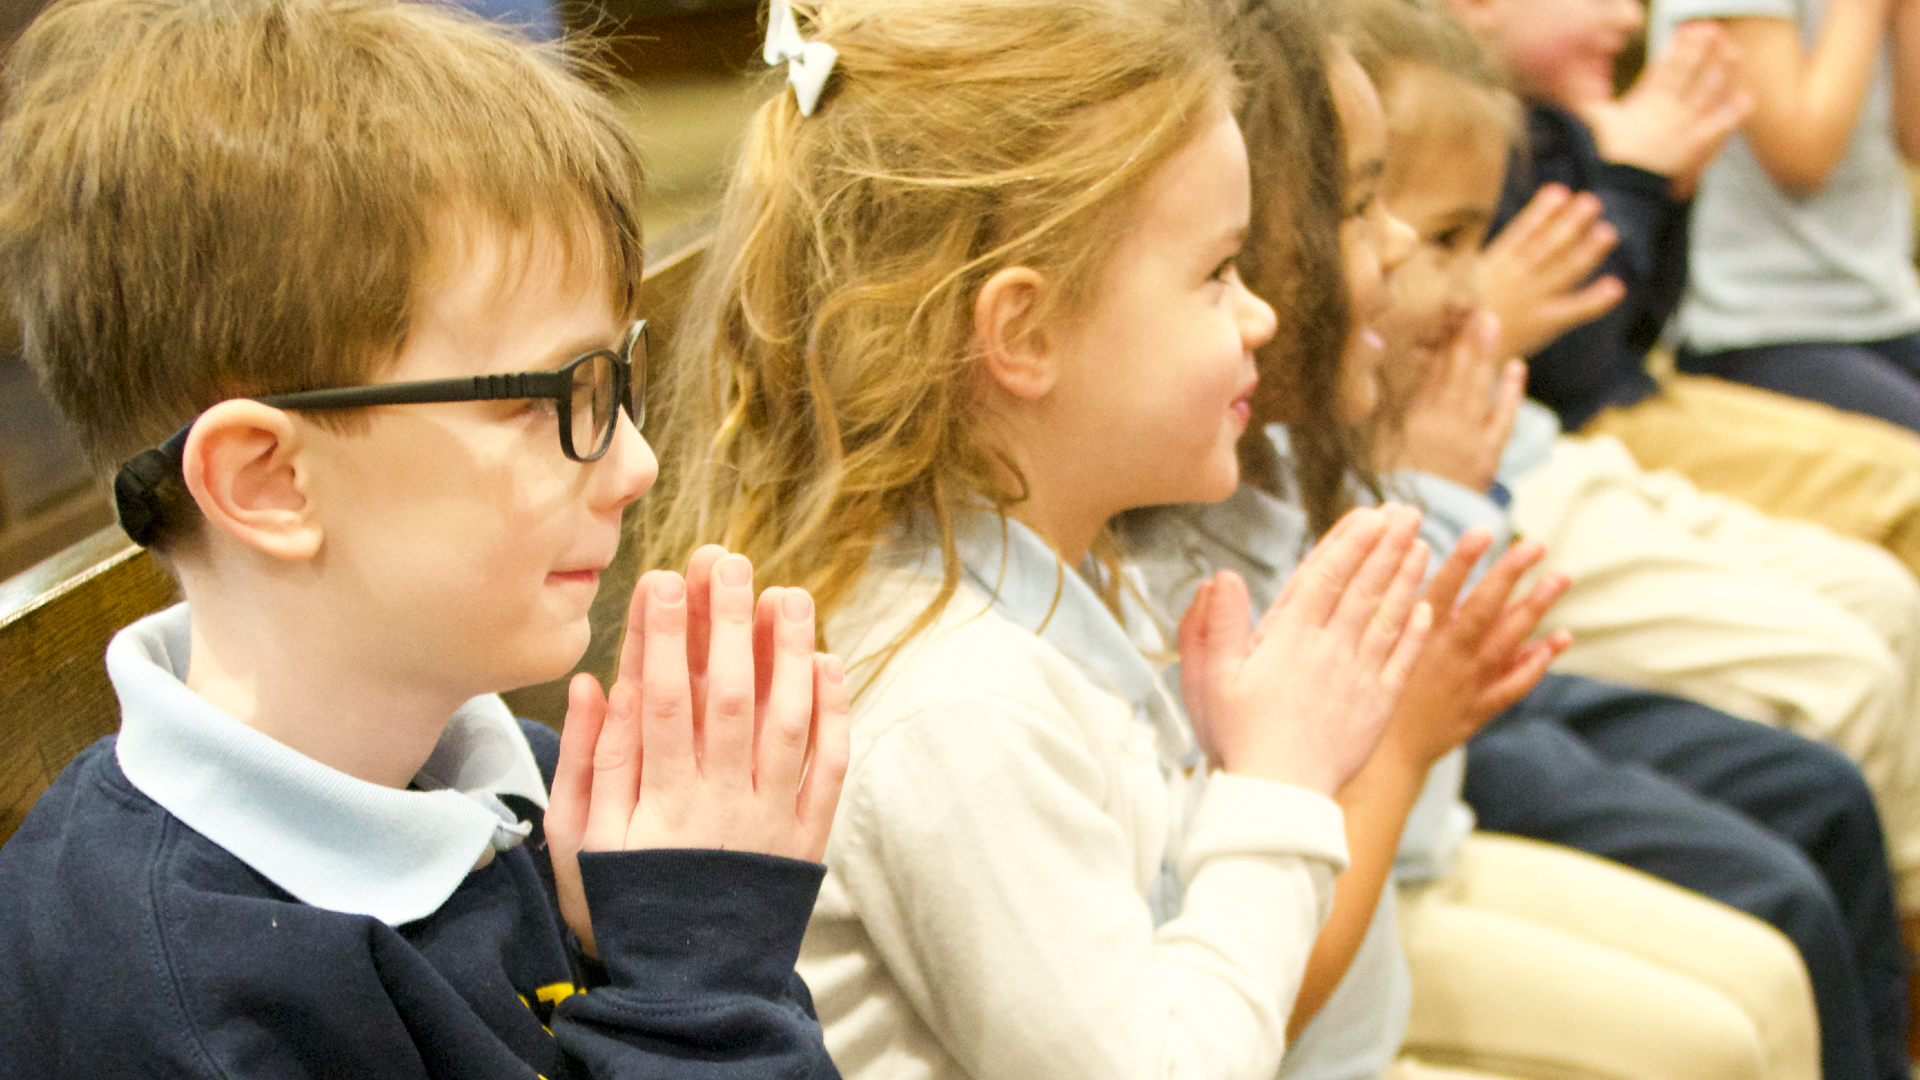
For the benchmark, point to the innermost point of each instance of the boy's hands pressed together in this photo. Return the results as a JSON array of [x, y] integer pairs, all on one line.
[[1302, 697], [1681, 110], [1477, 661], [1458, 422], [1536, 276], [724, 730]]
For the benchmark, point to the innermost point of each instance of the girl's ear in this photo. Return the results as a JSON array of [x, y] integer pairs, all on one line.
[[1018, 354], [242, 463]]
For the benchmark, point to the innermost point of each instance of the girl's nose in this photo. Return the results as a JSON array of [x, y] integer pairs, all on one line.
[[1257, 320]]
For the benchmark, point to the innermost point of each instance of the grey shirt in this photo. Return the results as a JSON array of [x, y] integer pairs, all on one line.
[[1767, 267]]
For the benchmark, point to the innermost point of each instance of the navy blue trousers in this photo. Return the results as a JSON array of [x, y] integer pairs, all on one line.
[[1766, 821], [1879, 378]]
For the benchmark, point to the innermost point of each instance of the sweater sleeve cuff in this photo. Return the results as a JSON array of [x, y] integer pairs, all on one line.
[[1244, 816], [699, 921], [1635, 181]]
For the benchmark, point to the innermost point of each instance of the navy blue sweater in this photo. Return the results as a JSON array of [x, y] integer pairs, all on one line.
[[133, 946], [1603, 363]]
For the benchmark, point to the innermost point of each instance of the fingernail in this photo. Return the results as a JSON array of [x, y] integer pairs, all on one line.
[[736, 571], [669, 589], [833, 669], [797, 604]]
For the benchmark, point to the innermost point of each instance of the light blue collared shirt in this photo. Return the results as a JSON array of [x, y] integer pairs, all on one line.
[[331, 840]]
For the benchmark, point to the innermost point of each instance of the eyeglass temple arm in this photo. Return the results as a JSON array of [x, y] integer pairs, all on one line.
[[522, 384]]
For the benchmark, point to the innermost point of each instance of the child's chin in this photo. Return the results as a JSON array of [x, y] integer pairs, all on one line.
[[557, 655]]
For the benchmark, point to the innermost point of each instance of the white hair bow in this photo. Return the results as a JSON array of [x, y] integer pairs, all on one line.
[[808, 62]]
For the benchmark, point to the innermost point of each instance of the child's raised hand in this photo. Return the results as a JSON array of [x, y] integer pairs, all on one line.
[[1477, 661], [724, 729], [1681, 110], [1457, 424], [1302, 698], [1536, 277]]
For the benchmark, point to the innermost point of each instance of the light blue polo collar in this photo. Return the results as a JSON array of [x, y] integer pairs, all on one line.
[[1030, 587], [332, 840]]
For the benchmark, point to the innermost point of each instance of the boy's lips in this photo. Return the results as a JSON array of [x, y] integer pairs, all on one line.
[[584, 576]]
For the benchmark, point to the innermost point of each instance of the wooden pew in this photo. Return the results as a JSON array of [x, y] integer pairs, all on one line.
[[57, 617]]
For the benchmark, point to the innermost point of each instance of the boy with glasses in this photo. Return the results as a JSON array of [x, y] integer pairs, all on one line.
[[349, 287]]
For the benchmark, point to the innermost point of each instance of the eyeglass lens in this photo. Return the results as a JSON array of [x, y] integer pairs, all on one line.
[[594, 407]]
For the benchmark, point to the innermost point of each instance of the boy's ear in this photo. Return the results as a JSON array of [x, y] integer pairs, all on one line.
[[242, 464], [1017, 353]]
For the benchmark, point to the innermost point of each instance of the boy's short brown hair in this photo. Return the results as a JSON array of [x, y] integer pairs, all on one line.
[[207, 199]]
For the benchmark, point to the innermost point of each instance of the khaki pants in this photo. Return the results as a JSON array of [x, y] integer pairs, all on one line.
[[1785, 456], [1700, 595], [1536, 962]]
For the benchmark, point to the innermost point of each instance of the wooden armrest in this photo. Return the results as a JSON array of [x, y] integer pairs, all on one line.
[[55, 622]]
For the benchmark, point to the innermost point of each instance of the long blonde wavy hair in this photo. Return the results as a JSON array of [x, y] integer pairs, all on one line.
[[823, 389]]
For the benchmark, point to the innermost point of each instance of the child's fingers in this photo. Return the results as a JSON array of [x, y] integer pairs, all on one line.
[[1589, 303], [1393, 674], [1443, 592], [572, 792], [1196, 657], [766, 618], [1326, 575], [665, 704], [1540, 209], [1517, 622], [1568, 230], [1229, 618], [1360, 601], [1590, 249], [726, 729], [1513, 684], [632, 643], [1507, 397], [1519, 619], [1396, 605], [1484, 607], [699, 605], [1340, 528], [827, 765], [786, 724], [618, 761]]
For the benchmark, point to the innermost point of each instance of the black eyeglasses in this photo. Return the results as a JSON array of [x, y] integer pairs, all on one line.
[[588, 393]]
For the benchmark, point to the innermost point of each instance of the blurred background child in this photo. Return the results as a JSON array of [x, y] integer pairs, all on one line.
[[1800, 274], [1640, 157]]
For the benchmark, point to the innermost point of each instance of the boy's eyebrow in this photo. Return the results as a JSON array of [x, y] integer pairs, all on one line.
[[1371, 169], [562, 354]]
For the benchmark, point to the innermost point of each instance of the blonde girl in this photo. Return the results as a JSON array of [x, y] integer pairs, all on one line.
[[982, 299]]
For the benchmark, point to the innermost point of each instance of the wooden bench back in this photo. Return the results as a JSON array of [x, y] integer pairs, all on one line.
[[57, 617]]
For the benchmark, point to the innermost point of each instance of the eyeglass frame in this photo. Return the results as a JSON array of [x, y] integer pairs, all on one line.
[[629, 391], [136, 485]]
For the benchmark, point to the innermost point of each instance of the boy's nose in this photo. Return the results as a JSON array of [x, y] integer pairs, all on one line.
[[1631, 14], [627, 470]]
